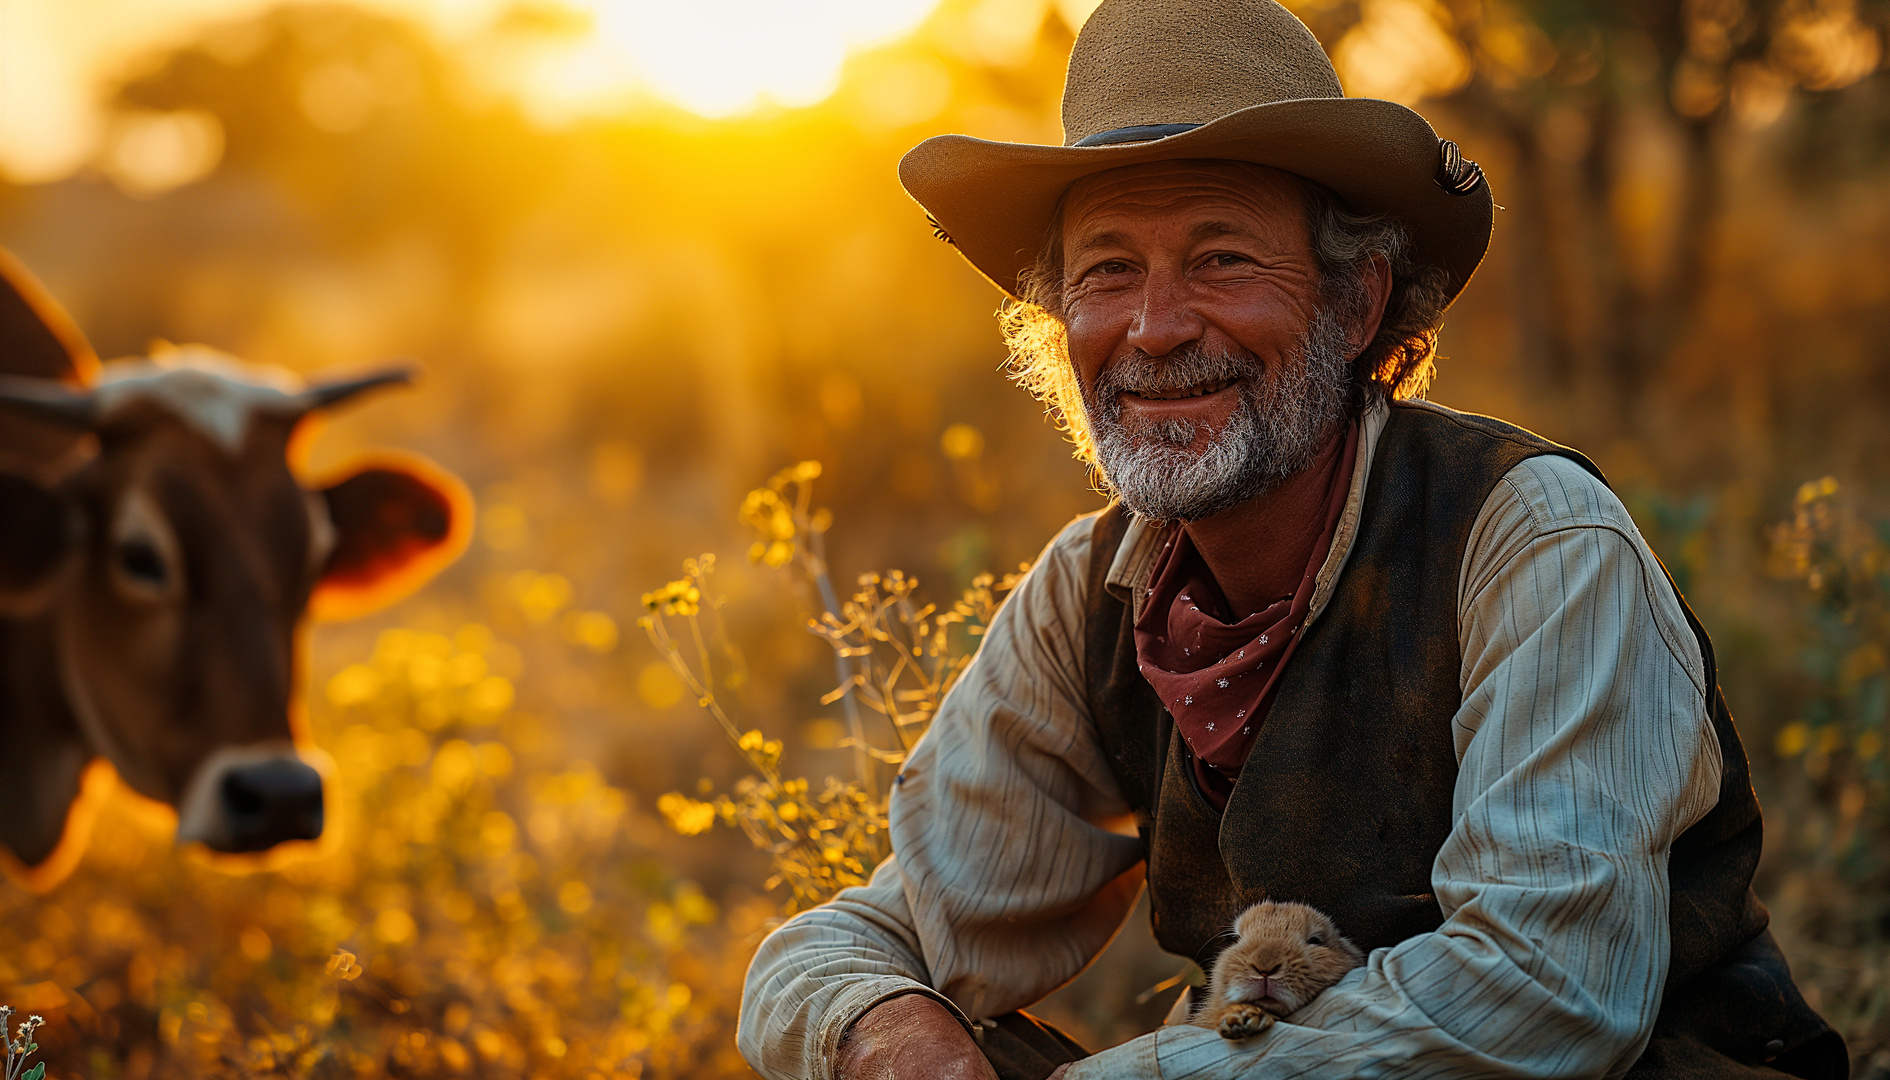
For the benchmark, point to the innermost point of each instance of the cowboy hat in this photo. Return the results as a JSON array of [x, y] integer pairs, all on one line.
[[1242, 80]]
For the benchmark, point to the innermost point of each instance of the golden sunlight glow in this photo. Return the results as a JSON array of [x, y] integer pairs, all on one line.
[[58, 58], [719, 57]]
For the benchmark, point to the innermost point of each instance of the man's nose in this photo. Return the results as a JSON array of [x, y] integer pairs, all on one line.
[[1167, 320]]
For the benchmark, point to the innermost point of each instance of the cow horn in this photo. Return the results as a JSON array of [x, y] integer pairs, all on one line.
[[49, 399], [324, 394]]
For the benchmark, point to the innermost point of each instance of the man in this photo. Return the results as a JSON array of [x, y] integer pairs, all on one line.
[[1332, 644]]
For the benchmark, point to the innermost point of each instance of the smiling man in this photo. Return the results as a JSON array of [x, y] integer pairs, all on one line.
[[1331, 643]]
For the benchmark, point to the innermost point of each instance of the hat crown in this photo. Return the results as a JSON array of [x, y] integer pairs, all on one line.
[[1157, 62]]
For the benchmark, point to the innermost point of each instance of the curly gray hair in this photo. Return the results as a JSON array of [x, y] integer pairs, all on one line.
[[1399, 361]]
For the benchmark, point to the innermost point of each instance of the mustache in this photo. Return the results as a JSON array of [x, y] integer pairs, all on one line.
[[1189, 364], [1284, 412]]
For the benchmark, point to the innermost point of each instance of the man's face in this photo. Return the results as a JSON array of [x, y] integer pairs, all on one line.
[[1209, 371]]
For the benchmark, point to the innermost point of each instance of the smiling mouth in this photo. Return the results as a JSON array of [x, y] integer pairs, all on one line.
[[1183, 393]]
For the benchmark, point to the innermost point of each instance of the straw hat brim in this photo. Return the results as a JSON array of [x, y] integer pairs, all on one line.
[[995, 200]]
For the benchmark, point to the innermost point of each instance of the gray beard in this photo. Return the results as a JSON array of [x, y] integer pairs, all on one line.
[[1282, 422]]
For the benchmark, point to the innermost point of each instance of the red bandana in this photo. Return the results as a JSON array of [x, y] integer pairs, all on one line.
[[1218, 678]]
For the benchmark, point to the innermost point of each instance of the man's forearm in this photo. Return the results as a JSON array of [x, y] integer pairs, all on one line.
[[823, 970], [995, 824], [1537, 972], [910, 1037]]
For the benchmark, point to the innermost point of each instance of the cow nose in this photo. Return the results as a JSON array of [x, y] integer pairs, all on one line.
[[269, 802]]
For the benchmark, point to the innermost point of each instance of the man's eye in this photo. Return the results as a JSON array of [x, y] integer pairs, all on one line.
[[1226, 260], [1111, 266]]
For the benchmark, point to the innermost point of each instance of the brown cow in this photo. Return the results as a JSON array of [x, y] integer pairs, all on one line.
[[157, 559]]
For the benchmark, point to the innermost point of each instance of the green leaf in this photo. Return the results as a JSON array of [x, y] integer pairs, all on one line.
[[37, 1072]]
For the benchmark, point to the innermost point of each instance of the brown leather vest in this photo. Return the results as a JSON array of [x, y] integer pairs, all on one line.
[[1346, 796]]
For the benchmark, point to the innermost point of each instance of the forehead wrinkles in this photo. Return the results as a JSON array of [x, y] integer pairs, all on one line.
[[1111, 199]]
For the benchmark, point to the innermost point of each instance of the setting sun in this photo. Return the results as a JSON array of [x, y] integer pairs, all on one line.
[[718, 57]]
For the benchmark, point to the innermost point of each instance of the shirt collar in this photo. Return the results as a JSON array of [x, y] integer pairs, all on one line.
[[1128, 578]]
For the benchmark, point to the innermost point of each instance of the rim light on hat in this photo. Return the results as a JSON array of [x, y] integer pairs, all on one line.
[[1239, 80]]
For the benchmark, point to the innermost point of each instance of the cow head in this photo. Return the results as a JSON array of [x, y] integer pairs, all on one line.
[[174, 568]]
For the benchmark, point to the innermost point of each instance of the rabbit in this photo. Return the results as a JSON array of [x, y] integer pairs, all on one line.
[[1283, 955]]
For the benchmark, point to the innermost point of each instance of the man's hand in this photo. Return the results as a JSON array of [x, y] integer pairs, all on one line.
[[910, 1037]]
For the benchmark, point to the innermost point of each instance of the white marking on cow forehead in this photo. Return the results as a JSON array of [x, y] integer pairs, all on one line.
[[211, 391]]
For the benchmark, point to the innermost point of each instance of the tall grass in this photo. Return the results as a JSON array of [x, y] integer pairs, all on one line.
[[894, 655], [488, 904], [481, 906]]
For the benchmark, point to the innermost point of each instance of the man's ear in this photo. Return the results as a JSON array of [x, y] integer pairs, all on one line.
[[397, 522], [1377, 282], [34, 543]]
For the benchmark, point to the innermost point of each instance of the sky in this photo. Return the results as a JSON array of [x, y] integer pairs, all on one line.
[[717, 58], [714, 57]]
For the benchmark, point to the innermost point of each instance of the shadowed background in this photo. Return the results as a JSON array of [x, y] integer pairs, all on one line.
[[649, 258]]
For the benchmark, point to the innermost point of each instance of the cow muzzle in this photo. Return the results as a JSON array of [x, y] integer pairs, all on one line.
[[251, 799]]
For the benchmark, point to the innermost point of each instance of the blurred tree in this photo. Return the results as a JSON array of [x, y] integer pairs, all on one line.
[[358, 115], [1611, 121]]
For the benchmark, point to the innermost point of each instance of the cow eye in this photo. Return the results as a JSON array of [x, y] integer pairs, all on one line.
[[142, 563], [1315, 940]]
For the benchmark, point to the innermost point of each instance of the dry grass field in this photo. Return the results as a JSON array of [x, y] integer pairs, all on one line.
[[573, 781]]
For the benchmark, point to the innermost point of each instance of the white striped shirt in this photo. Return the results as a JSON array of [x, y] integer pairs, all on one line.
[[1584, 748]]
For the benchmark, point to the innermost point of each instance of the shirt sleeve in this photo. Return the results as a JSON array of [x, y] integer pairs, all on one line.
[[1007, 877], [822, 970], [1584, 749]]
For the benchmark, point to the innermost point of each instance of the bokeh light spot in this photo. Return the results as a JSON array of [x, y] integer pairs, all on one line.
[[394, 926], [255, 944], [152, 152], [594, 630], [574, 897], [658, 686], [961, 442]]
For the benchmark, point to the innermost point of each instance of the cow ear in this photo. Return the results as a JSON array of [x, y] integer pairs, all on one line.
[[397, 522], [38, 341], [38, 536], [37, 337]]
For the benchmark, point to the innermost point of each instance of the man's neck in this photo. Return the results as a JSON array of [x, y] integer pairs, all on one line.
[[1258, 550]]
